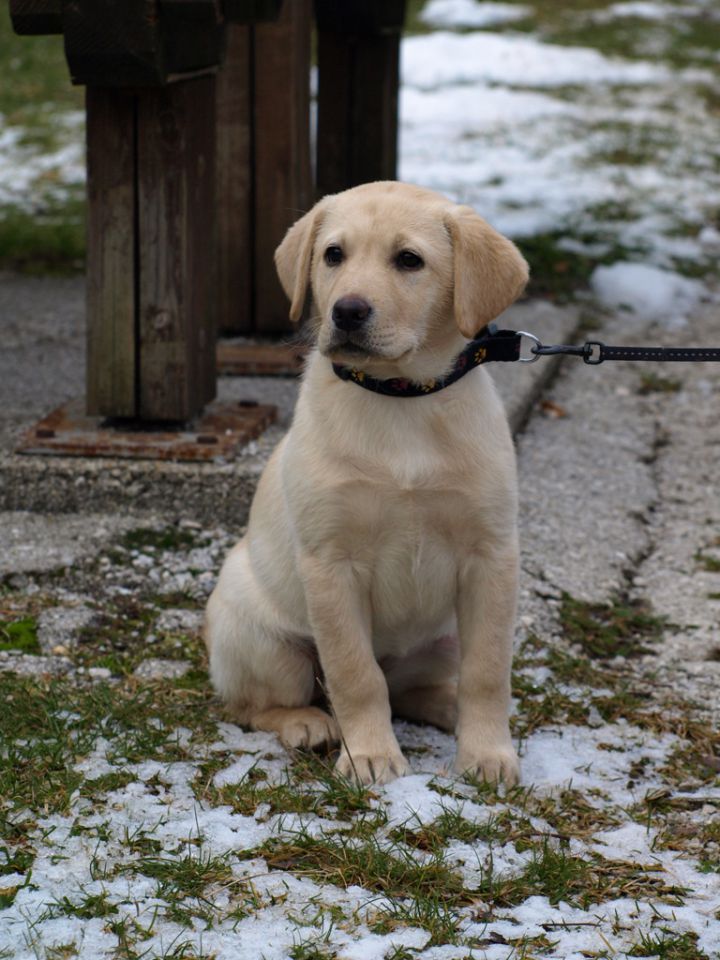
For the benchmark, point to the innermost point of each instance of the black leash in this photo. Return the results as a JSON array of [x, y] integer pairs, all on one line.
[[503, 346], [595, 352]]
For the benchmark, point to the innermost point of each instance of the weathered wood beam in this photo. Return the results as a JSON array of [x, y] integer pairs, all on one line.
[[235, 184], [177, 249], [358, 68], [112, 356], [281, 149]]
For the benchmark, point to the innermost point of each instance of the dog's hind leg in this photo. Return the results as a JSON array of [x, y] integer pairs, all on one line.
[[423, 685], [266, 676], [436, 704]]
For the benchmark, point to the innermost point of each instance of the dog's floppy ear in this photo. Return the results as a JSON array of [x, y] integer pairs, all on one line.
[[490, 272], [293, 258]]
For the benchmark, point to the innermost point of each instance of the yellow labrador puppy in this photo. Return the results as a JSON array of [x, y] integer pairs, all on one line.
[[381, 550]]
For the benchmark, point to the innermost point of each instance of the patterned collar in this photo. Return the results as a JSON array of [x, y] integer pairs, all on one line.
[[494, 345]]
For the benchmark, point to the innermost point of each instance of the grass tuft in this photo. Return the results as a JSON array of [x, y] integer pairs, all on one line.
[[654, 383], [367, 861], [559, 875], [187, 876], [606, 630], [668, 946], [430, 913], [19, 635]]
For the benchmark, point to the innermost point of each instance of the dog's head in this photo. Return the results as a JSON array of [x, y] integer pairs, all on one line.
[[394, 269]]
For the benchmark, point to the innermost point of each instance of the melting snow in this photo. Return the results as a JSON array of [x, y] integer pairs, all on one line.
[[471, 13], [648, 292]]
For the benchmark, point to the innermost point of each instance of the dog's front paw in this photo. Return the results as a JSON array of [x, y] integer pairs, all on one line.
[[377, 768], [490, 763]]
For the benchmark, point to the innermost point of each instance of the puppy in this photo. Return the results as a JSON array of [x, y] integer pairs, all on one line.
[[382, 546]]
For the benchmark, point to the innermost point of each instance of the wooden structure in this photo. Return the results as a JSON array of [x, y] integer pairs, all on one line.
[[195, 172], [358, 63]]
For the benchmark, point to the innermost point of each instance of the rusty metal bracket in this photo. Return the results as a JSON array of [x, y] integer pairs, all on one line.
[[220, 432]]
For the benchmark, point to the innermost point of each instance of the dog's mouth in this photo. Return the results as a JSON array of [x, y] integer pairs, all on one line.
[[342, 348]]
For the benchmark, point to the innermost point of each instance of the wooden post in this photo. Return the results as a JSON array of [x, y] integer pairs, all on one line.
[[111, 253], [263, 163], [281, 153], [151, 251], [234, 184], [358, 67], [158, 284], [35, 17], [177, 244], [150, 72]]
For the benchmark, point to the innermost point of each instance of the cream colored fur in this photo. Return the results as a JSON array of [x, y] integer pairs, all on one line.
[[383, 528]]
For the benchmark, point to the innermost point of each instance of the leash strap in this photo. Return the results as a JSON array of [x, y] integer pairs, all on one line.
[[655, 353], [595, 352]]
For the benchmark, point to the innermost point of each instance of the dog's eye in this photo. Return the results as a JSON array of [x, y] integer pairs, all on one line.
[[333, 256], [407, 260]]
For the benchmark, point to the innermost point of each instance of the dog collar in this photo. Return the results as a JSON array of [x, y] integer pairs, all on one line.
[[494, 345]]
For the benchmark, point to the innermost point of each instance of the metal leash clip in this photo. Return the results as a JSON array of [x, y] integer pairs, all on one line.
[[586, 351]]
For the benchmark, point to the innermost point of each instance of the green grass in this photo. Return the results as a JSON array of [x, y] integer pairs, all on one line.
[[246, 796], [14, 860], [677, 41], [187, 876], [450, 825], [311, 785], [117, 639], [45, 232], [430, 913], [61, 951], [366, 860], [50, 239], [87, 907], [559, 273], [604, 630], [166, 538], [19, 635], [666, 945], [707, 563], [51, 724], [654, 383], [312, 949], [559, 875]]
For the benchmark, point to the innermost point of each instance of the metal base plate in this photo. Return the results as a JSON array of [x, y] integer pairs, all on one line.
[[221, 430], [260, 359]]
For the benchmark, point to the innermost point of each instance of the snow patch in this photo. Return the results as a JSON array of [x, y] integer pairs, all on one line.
[[645, 10], [648, 292], [586, 758], [471, 13], [444, 58]]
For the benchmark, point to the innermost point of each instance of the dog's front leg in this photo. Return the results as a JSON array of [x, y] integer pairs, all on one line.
[[487, 596], [339, 612]]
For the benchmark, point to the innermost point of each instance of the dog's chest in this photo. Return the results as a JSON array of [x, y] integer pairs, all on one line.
[[415, 511], [405, 547]]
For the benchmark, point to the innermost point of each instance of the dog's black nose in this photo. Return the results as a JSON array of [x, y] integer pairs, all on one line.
[[350, 313]]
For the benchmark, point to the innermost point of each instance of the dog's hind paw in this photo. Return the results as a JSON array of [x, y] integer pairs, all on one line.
[[299, 727]]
